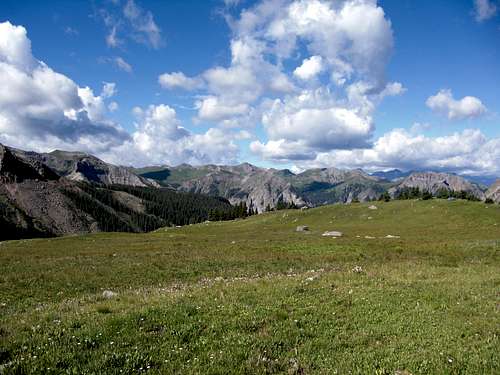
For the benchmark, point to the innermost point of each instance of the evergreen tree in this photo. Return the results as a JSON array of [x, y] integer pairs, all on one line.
[[385, 197], [426, 195]]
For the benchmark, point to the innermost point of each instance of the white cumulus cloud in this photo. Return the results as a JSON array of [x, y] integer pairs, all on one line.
[[42, 110], [160, 138], [214, 108], [310, 68], [469, 152], [179, 80], [467, 107], [312, 122], [344, 44], [108, 90], [484, 10]]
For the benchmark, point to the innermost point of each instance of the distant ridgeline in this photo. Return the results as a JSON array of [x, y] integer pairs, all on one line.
[[63, 193]]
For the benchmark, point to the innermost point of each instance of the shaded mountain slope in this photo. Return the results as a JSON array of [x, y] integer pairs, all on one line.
[[14, 168], [36, 202]]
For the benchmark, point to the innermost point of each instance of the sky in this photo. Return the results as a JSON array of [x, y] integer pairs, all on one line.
[[291, 84]]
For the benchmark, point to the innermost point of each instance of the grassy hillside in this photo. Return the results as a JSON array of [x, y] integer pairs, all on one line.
[[254, 296]]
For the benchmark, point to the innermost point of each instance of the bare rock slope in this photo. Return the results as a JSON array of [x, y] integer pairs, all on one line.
[[260, 188], [433, 182], [38, 201], [79, 166], [494, 192], [17, 169], [31, 202]]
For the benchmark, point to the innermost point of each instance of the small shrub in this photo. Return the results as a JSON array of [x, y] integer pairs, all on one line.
[[426, 195]]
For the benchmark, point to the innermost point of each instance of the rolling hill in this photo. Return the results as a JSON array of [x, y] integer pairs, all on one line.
[[411, 287]]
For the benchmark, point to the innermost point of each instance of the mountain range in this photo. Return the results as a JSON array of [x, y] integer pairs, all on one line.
[[83, 194], [65, 192], [262, 188]]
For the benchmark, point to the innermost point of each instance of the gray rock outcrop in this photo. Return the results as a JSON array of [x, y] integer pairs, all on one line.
[[433, 182], [494, 192], [79, 166], [260, 188]]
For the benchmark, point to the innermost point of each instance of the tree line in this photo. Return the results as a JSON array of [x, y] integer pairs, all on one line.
[[238, 211], [161, 207], [416, 193]]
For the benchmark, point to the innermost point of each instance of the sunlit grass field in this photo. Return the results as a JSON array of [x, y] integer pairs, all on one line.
[[255, 296]]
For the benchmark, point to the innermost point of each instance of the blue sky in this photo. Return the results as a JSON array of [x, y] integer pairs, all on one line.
[[282, 83], [439, 44]]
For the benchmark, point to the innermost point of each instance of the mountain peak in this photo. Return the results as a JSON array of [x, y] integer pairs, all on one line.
[[69, 154], [17, 167]]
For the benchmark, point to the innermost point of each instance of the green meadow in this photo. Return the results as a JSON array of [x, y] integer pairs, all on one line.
[[412, 287]]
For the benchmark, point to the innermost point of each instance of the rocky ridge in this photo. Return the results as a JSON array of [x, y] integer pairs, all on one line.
[[494, 192], [261, 187], [37, 201], [433, 182], [79, 166]]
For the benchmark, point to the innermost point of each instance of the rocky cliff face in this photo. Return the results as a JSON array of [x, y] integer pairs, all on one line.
[[31, 203], [332, 185], [257, 187], [16, 168], [261, 187], [78, 166], [35, 201], [494, 192], [32, 198], [433, 182]]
